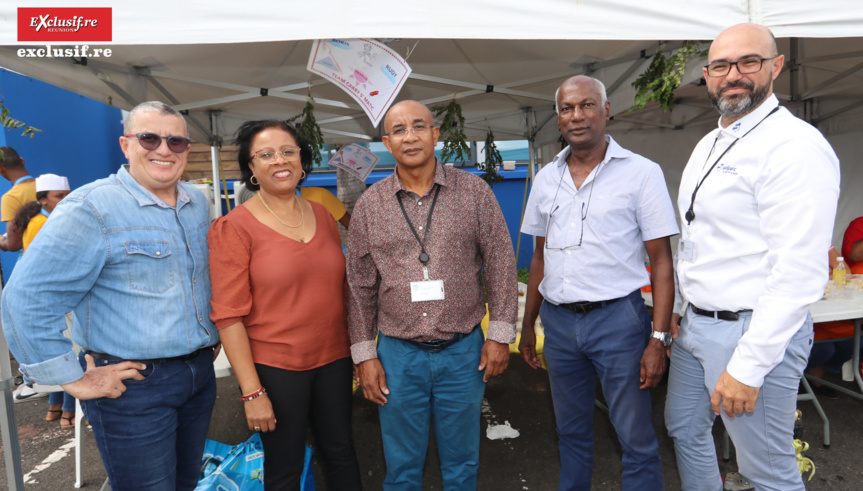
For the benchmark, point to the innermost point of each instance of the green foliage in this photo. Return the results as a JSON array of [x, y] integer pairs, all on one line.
[[492, 160], [455, 145], [309, 129], [663, 76], [523, 275], [11, 123]]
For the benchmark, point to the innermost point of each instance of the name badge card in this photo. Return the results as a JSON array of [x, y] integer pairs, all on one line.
[[427, 290], [686, 250]]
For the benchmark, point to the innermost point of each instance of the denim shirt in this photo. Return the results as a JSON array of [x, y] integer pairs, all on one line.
[[133, 269]]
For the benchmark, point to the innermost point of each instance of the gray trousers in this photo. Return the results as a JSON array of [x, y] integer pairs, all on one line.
[[763, 438]]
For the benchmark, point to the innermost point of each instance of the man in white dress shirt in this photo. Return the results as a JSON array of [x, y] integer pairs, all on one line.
[[594, 210], [757, 204]]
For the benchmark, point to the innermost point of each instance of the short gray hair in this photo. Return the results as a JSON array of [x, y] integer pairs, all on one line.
[[599, 85], [149, 106]]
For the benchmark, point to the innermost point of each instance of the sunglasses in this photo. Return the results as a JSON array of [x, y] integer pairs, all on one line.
[[151, 141]]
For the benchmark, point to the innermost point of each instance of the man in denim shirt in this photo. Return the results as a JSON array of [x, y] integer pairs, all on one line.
[[128, 254]]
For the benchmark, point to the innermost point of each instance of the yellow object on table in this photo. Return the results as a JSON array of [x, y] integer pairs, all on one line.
[[513, 348]]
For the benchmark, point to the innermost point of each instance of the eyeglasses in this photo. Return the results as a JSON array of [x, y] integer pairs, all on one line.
[[744, 66], [417, 129], [567, 239], [151, 141], [268, 155]]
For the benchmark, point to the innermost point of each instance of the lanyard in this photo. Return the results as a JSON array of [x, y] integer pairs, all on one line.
[[690, 213], [424, 258], [21, 179]]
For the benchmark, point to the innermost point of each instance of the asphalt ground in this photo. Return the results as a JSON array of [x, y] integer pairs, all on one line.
[[529, 462]]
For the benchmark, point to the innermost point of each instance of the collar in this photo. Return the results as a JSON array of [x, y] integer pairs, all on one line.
[[44, 212], [143, 195], [439, 178], [746, 123], [614, 151], [21, 179]]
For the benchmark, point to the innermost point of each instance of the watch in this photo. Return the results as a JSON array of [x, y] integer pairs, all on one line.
[[665, 337]]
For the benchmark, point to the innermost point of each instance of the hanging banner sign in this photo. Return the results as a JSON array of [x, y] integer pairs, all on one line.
[[367, 70], [356, 159]]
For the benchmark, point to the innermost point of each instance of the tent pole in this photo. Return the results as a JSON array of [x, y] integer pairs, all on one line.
[[531, 173], [217, 193], [8, 425], [794, 70], [214, 158]]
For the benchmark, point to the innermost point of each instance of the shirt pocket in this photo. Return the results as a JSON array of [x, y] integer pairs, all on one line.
[[149, 265]]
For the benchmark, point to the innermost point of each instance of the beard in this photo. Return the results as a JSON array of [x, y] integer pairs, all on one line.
[[741, 104]]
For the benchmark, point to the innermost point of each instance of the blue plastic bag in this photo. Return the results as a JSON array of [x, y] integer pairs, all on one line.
[[241, 467]]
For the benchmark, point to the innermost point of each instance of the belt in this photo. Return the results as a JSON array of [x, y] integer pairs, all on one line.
[[725, 315], [437, 345], [103, 356], [585, 307]]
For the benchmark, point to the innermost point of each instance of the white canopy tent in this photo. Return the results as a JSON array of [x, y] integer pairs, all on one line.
[[225, 63]]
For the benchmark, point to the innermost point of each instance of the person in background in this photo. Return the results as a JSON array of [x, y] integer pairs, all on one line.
[[279, 293], [830, 356], [128, 254], [50, 190], [852, 246], [23, 191]]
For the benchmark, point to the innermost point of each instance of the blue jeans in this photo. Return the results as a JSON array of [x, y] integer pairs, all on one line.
[[606, 342], [152, 436], [63, 398], [762, 438], [445, 386], [831, 356]]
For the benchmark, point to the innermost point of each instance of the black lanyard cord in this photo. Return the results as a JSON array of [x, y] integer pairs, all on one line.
[[690, 213], [424, 258]]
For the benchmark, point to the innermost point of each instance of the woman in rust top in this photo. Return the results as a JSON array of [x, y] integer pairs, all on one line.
[[278, 278]]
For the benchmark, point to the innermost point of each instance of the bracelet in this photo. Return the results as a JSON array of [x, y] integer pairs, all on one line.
[[253, 395]]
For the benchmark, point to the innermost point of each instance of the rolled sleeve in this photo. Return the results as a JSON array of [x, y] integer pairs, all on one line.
[[61, 370]]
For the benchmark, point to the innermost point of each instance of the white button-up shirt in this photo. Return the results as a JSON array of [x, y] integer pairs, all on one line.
[[763, 221], [595, 235]]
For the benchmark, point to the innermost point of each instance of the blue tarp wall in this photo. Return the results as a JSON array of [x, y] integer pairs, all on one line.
[[79, 137], [510, 194]]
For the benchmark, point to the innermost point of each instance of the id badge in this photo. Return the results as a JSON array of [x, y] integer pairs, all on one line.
[[686, 250], [426, 290]]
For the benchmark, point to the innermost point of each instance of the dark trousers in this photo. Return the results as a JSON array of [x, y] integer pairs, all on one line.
[[322, 397]]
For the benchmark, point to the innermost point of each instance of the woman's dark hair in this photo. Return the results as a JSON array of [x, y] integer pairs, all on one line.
[[26, 213], [249, 130]]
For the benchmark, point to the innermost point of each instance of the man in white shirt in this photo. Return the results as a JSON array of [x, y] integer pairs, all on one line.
[[757, 204], [594, 210]]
